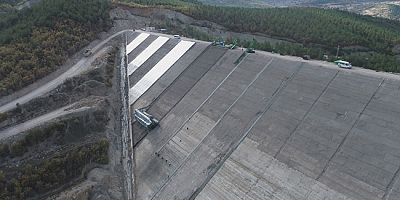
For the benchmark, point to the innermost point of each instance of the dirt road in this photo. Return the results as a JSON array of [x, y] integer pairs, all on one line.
[[79, 67], [38, 121]]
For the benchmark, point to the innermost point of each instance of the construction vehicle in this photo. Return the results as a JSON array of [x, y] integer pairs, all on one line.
[[233, 45], [219, 42], [250, 50], [306, 57], [145, 119], [87, 52]]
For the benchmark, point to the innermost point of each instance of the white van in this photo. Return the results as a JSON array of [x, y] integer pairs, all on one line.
[[177, 36], [343, 64]]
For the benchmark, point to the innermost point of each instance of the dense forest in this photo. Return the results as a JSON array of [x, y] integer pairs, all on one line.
[[35, 179], [34, 42], [166, 3], [365, 41], [65, 161]]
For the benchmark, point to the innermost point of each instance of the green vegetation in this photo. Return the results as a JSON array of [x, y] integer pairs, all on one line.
[[9, 5], [3, 116], [33, 137], [34, 42], [59, 131], [318, 29], [35, 179], [307, 25], [238, 3], [4, 7], [109, 69], [365, 41], [182, 4]]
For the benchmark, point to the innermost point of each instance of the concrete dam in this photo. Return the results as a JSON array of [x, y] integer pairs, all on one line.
[[237, 125]]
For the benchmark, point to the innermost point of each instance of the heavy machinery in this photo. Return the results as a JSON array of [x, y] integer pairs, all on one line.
[[250, 50], [145, 119], [87, 52], [219, 42], [306, 57], [232, 46]]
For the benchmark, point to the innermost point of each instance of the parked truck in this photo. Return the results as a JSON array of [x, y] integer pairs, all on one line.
[[145, 119]]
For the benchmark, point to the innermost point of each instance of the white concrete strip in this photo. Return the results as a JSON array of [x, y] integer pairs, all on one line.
[[158, 70], [146, 54], [136, 42]]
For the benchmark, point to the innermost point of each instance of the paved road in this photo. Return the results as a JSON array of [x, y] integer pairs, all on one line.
[[78, 68], [38, 121], [330, 65]]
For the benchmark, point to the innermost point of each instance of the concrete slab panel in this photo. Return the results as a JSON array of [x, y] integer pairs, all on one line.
[[153, 94], [146, 54], [252, 174], [324, 128], [131, 36], [138, 50], [220, 141], [186, 81], [145, 151], [177, 88], [136, 42], [170, 146], [369, 156], [158, 70], [151, 62]]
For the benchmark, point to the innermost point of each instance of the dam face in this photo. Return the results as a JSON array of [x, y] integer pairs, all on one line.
[[259, 126]]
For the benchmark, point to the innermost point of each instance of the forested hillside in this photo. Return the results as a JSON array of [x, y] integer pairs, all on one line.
[[366, 41], [34, 42]]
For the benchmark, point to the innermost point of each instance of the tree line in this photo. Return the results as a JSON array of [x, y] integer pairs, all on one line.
[[363, 40], [35, 41]]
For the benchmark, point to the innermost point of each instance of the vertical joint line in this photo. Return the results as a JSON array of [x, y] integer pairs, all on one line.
[[198, 108], [349, 131], [281, 87], [389, 188], [201, 142], [306, 114]]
